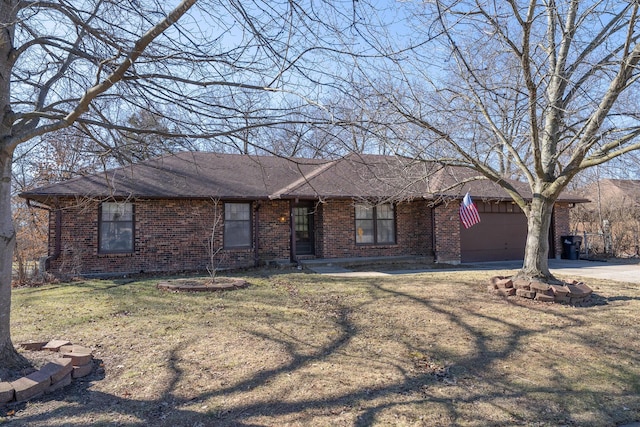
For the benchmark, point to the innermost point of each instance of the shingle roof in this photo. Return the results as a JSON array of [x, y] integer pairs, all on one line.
[[248, 177]]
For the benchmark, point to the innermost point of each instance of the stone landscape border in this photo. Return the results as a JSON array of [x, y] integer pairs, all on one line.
[[202, 285], [573, 293], [75, 361]]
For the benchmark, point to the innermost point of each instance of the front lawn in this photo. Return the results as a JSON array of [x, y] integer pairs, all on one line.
[[302, 349]]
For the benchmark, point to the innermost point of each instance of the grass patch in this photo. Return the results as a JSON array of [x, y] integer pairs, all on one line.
[[301, 349]]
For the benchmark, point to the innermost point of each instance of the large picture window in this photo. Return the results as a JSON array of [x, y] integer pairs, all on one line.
[[375, 224], [237, 225], [116, 227]]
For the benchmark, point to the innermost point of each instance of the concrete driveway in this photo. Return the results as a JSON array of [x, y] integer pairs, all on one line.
[[620, 270]]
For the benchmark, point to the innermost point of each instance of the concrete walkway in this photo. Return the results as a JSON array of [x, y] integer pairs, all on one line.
[[623, 271]]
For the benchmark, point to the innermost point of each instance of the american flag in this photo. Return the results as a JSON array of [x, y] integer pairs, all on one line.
[[468, 212]]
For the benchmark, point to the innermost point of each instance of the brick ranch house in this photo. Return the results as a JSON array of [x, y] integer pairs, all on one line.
[[194, 210]]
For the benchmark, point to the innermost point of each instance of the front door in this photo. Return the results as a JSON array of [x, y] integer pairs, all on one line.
[[303, 220]]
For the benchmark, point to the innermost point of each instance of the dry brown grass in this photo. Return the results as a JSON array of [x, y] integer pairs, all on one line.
[[307, 350]]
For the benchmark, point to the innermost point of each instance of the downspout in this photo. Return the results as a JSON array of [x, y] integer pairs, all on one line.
[[256, 245]]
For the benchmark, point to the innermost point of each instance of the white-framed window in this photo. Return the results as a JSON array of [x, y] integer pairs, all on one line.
[[116, 227], [237, 225], [375, 224]]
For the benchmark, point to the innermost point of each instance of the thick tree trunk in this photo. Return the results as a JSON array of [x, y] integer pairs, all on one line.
[[8, 356], [536, 254]]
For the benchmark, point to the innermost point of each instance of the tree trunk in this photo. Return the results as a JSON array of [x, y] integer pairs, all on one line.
[[536, 253], [9, 358], [8, 355]]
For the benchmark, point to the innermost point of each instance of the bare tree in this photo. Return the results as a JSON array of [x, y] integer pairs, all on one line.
[[55, 157], [611, 221], [31, 236], [541, 90], [96, 64], [32, 105], [146, 141]]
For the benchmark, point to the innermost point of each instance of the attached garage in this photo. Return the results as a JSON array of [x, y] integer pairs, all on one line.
[[501, 234]]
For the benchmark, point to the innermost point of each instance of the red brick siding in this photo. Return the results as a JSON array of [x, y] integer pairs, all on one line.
[[561, 226], [170, 235], [273, 234], [414, 227], [78, 236], [337, 239], [447, 232]]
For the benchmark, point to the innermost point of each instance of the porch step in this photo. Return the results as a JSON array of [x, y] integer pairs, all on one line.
[[345, 262]]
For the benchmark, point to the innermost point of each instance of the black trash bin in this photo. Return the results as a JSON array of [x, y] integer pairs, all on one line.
[[571, 247]]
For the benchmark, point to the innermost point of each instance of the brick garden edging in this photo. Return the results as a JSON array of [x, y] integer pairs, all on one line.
[[74, 362], [206, 285], [574, 293]]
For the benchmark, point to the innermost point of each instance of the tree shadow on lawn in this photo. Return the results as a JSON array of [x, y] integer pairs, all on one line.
[[475, 382]]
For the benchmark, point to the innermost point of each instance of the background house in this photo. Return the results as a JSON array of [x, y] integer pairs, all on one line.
[[197, 210], [610, 222]]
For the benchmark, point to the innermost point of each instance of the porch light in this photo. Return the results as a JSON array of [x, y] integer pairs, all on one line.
[[282, 218]]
